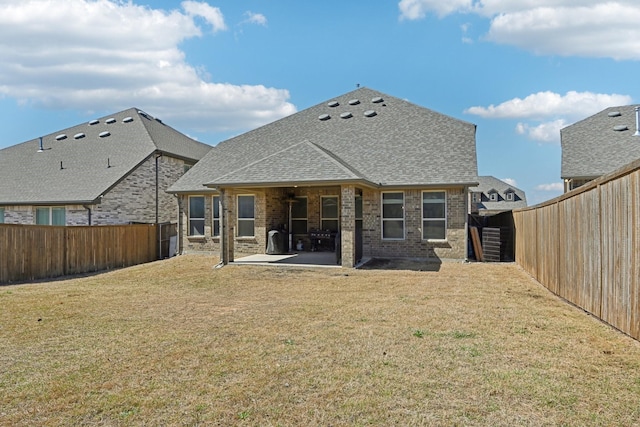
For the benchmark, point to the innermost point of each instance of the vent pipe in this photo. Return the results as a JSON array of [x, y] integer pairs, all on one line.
[[637, 122], [41, 149]]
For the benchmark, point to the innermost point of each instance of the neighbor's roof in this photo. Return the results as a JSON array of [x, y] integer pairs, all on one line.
[[600, 144], [74, 165], [488, 184], [361, 136]]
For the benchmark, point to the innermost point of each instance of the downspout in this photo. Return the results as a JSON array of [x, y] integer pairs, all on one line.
[[224, 243], [466, 223], [179, 225], [88, 213], [157, 208]]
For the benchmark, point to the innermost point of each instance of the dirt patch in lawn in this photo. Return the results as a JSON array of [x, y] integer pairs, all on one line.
[[178, 342]]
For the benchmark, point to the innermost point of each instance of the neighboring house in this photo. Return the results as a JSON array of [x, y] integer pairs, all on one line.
[[599, 145], [492, 196], [112, 170], [381, 176]]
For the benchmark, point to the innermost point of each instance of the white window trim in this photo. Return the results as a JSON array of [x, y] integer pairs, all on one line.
[[509, 196], [322, 219], [382, 218], [446, 212], [238, 219], [189, 218], [493, 197]]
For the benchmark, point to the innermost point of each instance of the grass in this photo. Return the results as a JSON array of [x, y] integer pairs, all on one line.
[[180, 343]]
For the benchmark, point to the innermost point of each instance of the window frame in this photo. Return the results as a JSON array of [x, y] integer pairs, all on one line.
[[215, 219], [324, 218], [383, 219], [1, 215], [493, 196], [300, 219], [50, 217], [509, 196], [191, 219], [245, 219], [441, 219]]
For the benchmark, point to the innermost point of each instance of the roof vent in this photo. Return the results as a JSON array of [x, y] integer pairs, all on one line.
[[354, 102], [370, 113], [637, 122], [127, 119], [614, 114], [103, 134], [324, 117], [346, 115], [94, 122], [110, 120], [79, 135], [61, 137], [333, 104], [620, 128], [377, 99]]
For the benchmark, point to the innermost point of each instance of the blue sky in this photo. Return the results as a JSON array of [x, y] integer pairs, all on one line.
[[520, 70]]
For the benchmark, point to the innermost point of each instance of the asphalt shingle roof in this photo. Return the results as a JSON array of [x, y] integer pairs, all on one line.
[[368, 136], [78, 169], [488, 183], [593, 147]]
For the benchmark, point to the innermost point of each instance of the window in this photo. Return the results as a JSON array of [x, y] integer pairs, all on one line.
[[476, 197], [299, 216], [196, 215], [493, 197], [509, 196], [51, 216], [215, 208], [1, 215], [246, 216], [329, 213], [393, 215], [434, 215]]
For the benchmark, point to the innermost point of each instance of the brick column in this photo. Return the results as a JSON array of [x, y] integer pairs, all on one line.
[[348, 225]]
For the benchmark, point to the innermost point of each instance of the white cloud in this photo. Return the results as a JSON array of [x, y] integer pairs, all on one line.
[[255, 18], [512, 182], [550, 111], [589, 28], [554, 186], [110, 54]]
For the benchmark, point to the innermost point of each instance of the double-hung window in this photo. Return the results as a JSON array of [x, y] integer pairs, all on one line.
[[393, 216], [329, 213], [51, 216], [246, 216], [215, 209], [434, 215], [299, 216], [196, 215]]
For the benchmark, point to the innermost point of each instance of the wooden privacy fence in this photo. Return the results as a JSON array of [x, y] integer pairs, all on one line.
[[30, 252], [585, 246]]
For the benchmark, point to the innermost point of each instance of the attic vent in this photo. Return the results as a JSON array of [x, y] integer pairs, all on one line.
[[354, 102], [346, 115], [127, 119], [324, 117], [103, 134], [110, 120], [370, 113], [614, 114], [61, 137], [377, 100], [94, 122], [79, 135], [333, 104], [620, 128]]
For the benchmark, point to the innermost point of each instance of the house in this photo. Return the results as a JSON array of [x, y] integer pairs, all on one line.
[[599, 145], [367, 173], [492, 196], [111, 170]]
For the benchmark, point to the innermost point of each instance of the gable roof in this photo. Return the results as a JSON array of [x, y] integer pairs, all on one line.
[[489, 184], [80, 163], [364, 135], [593, 147]]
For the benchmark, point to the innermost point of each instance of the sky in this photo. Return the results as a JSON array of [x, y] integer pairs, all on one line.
[[519, 70]]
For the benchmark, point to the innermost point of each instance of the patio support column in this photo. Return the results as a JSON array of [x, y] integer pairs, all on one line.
[[348, 225], [226, 232]]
